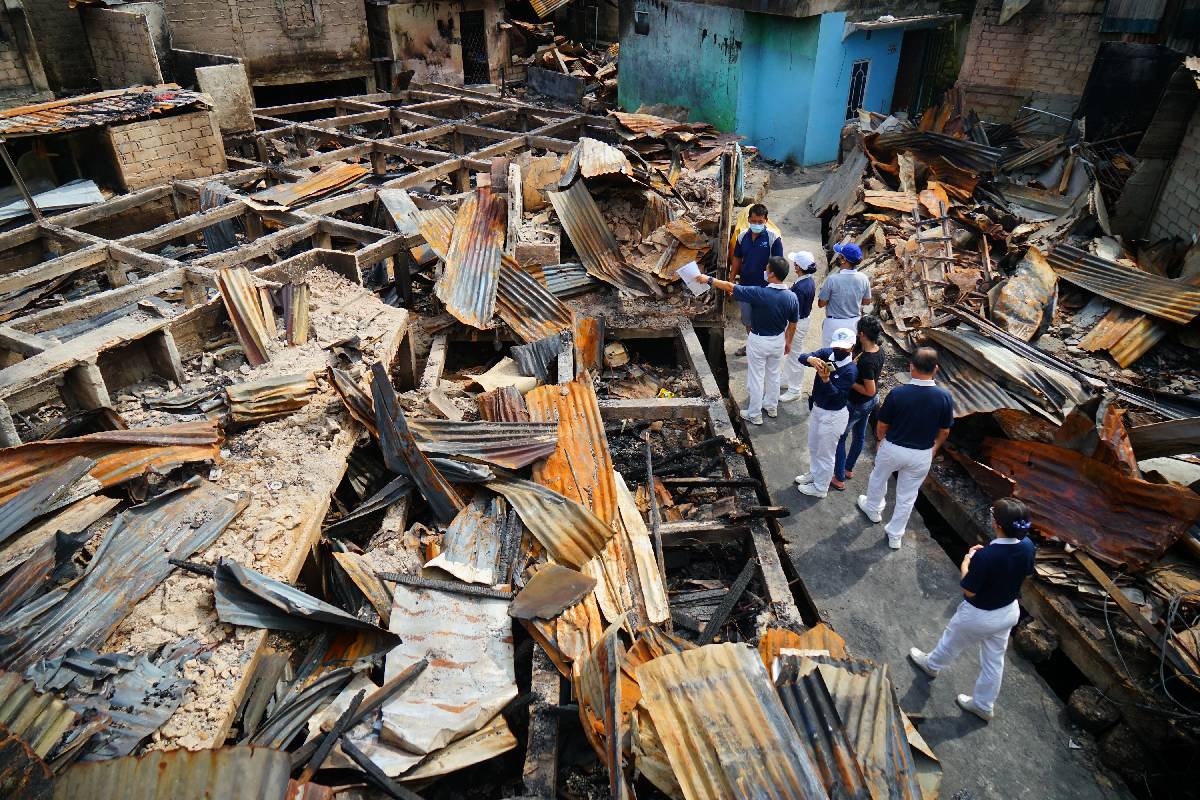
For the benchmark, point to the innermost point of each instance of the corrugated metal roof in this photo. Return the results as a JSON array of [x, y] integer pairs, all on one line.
[[648, 124], [592, 158], [545, 8], [119, 455], [819, 637], [563, 280], [267, 398], [244, 306], [1083, 501], [959, 152], [571, 534], [811, 709], [471, 543], [597, 683], [505, 444], [505, 404], [241, 772], [540, 359], [580, 467], [357, 401], [595, 243], [38, 718], [436, 225], [42, 496], [467, 286], [1174, 301], [723, 727], [129, 563], [973, 391], [528, 308], [101, 108], [332, 178]]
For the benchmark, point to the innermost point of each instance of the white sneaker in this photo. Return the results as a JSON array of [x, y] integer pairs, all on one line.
[[802, 479], [874, 516], [895, 542], [755, 420], [967, 703], [921, 659], [790, 395], [810, 489], [771, 412]]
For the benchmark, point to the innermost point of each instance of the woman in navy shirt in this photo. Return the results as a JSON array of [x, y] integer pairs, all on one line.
[[991, 581]]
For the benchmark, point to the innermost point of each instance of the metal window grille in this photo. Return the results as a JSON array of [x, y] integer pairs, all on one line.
[[858, 86]]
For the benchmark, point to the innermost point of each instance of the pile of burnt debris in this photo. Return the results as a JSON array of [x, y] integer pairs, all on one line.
[[563, 69], [1071, 356], [249, 549]]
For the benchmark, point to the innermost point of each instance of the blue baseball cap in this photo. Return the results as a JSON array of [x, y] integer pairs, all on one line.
[[849, 251]]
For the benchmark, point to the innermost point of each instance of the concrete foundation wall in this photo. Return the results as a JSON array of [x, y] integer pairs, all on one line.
[[58, 30], [1178, 210], [155, 151], [1043, 54], [122, 48], [690, 57], [281, 41]]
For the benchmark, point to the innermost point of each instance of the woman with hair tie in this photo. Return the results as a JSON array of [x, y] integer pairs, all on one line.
[[991, 581]]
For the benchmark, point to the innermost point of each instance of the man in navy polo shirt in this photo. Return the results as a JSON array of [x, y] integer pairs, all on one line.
[[750, 255], [773, 314], [836, 373], [911, 425]]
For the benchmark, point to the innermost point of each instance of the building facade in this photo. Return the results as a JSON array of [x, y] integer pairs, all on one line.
[[786, 77]]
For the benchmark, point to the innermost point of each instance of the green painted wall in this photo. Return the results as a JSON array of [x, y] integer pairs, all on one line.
[[689, 57], [779, 54]]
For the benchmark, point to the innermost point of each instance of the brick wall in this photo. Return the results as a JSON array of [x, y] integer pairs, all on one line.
[[281, 41], [58, 30], [1178, 210], [14, 78], [1044, 54], [155, 151], [122, 48]]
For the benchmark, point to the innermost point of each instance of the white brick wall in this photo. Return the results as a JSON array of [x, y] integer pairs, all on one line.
[[155, 151], [1178, 211]]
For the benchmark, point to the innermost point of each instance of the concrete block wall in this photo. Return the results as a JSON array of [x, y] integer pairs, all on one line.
[[58, 30], [1044, 53], [154, 151], [122, 48], [1178, 210]]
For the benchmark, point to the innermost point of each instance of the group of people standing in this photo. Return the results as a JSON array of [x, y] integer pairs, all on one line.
[[911, 423]]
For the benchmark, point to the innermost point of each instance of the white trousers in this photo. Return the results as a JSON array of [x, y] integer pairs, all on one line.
[[831, 325], [764, 355], [911, 467], [824, 430], [793, 370], [988, 629]]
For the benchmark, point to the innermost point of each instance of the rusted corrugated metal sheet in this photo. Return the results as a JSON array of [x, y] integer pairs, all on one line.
[[471, 544], [1174, 301], [39, 718], [820, 637], [101, 108], [595, 243], [295, 312], [959, 152], [974, 392], [811, 709], [357, 402], [504, 444], [267, 398], [130, 562], [598, 688], [648, 124], [545, 8], [527, 307], [468, 283], [1080, 500], [505, 404], [291, 195], [437, 226], [723, 727], [592, 158], [571, 534], [119, 455], [581, 467], [42, 496], [400, 451], [242, 772], [244, 306], [563, 280], [22, 774]]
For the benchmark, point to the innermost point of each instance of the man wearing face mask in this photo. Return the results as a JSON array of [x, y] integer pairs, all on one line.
[[836, 373], [753, 250], [845, 292], [773, 318]]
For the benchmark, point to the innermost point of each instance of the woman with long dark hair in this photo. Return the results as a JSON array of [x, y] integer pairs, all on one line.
[[991, 581]]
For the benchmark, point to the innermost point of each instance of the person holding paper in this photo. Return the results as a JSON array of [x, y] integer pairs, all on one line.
[[774, 312]]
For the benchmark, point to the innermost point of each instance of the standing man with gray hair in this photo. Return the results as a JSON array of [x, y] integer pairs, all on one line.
[[912, 424]]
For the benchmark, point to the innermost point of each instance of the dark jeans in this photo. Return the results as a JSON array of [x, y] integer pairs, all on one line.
[[856, 429]]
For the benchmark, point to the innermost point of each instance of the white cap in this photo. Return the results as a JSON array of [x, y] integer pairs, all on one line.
[[802, 259], [843, 339]]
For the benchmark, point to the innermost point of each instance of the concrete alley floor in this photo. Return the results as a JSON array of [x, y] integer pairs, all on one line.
[[883, 602]]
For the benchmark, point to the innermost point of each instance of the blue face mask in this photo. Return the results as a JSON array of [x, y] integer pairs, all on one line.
[[757, 227]]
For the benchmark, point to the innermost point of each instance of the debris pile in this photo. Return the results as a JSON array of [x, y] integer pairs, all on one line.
[[1069, 352], [592, 72]]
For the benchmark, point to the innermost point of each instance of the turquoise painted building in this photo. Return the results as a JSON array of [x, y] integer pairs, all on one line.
[[786, 75]]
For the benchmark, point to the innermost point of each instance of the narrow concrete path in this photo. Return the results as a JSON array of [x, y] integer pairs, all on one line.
[[885, 601]]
